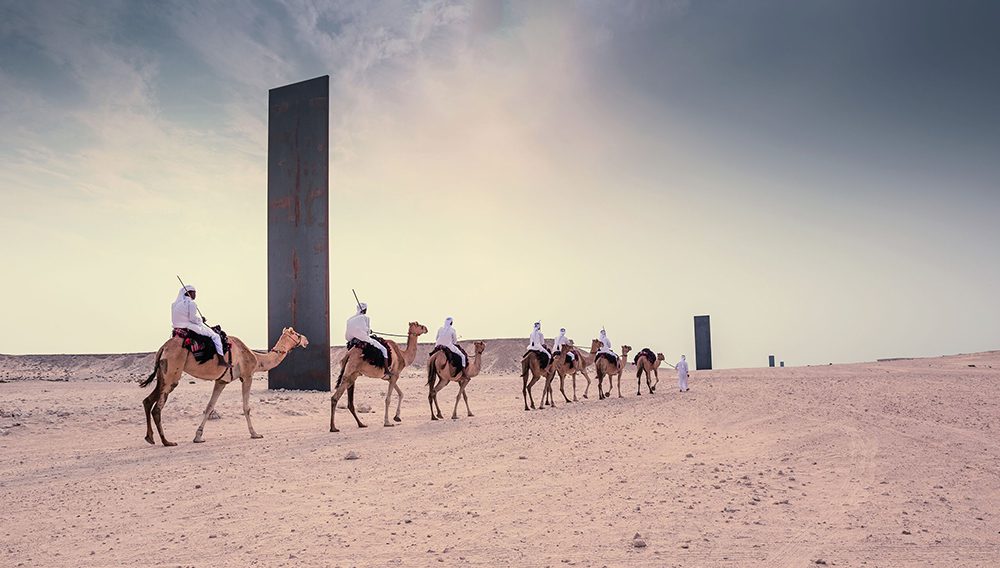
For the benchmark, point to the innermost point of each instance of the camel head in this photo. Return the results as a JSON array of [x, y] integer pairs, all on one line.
[[417, 329], [479, 346], [595, 345], [625, 350], [660, 357], [292, 339]]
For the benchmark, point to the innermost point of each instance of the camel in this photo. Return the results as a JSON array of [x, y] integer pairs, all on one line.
[[532, 362], [644, 364], [353, 366], [439, 366], [172, 360], [604, 367], [579, 365]]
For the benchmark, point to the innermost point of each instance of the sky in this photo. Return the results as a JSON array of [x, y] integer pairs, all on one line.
[[820, 177]]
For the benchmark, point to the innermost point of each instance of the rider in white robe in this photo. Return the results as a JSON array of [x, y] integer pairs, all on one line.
[[359, 327], [448, 337], [184, 314]]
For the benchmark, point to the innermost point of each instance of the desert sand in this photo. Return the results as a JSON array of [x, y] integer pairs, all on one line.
[[893, 463]]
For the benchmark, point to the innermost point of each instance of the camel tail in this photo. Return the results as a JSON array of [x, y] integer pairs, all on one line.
[[638, 371], [156, 367]]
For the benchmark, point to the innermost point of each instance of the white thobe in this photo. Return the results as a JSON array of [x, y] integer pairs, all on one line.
[[537, 342], [682, 374], [184, 315], [448, 337], [606, 345], [358, 327]]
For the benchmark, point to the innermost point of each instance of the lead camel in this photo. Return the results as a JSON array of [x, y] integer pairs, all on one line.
[[172, 360]]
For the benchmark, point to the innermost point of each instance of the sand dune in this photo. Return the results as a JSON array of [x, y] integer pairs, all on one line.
[[879, 464]]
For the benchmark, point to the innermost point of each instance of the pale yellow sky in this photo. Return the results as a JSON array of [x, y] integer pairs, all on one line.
[[585, 166]]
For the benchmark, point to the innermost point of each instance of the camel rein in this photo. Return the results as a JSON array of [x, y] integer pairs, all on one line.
[[392, 334]]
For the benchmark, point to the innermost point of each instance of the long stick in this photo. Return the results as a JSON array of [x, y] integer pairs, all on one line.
[[183, 285], [356, 298]]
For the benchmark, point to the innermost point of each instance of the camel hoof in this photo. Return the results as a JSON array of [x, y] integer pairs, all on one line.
[[455, 417], [585, 396], [149, 439], [256, 436], [397, 418], [471, 415], [198, 441], [433, 417], [388, 425], [365, 425], [334, 430], [168, 444], [441, 416]]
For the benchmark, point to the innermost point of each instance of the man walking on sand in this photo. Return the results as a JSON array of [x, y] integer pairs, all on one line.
[[682, 374]]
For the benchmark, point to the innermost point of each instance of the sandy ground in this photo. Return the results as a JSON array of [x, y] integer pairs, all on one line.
[[881, 464]]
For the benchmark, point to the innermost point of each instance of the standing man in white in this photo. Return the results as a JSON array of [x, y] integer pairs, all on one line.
[[682, 374], [184, 315]]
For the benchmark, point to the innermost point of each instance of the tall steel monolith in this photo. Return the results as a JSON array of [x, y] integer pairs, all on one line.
[[702, 343], [298, 230]]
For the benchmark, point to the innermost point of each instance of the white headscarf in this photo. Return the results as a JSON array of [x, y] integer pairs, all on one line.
[[538, 325], [448, 321], [361, 308], [183, 292], [604, 334]]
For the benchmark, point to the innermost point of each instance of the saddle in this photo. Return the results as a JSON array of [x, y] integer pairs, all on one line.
[[453, 358], [613, 359], [371, 354], [201, 346], [646, 352], [544, 357]]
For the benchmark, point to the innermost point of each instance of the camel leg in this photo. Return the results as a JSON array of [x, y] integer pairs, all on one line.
[[399, 401], [247, 383], [638, 381], [147, 405], [524, 391], [620, 385], [562, 387], [350, 405], [458, 397], [586, 390], [431, 392], [216, 391], [158, 409], [656, 376], [546, 399], [549, 388], [574, 388], [465, 396], [388, 400], [534, 379], [443, 382], [341, 387]]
